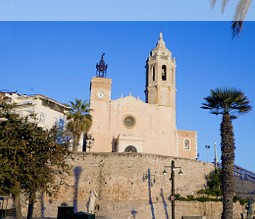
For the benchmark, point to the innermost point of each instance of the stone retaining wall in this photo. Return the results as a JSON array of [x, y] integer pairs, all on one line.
[[122, 187]]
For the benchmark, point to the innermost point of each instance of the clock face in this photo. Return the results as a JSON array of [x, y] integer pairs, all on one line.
[[100, 94]]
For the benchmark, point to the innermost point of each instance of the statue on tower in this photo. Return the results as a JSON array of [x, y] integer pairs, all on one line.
[[101, 68]]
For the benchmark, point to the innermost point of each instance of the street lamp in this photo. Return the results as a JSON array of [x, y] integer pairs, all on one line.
[[207, 148], [172, 197]]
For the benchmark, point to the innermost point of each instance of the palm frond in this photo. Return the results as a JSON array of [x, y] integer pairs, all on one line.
[[242, 9], [223, 5], [79, 117], [237, 27], [213, 3], [240, 14], [227, 100]]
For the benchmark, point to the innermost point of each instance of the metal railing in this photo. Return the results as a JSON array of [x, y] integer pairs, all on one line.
[[243, 173]]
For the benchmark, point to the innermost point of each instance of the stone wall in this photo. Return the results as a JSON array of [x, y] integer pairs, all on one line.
[[122, 187]]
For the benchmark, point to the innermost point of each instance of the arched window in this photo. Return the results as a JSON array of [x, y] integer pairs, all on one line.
[[164, 76], [131, 149], [186, 144], [153, 73]]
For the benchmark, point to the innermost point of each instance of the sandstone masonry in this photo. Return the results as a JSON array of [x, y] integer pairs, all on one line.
[[118, 179]]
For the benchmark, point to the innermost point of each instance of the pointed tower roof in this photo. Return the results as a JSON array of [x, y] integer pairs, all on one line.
[[161, 47], [161, 44]]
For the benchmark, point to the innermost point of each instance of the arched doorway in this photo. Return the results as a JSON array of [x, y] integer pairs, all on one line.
[[130, 148]]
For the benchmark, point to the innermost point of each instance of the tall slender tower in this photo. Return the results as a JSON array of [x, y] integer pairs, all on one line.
[[160, 76]]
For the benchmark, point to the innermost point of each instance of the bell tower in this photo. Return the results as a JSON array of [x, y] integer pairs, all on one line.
[[160, 76], [100, 86]]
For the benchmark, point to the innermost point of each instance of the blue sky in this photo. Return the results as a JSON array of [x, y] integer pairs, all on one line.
[[116, 10], [58, 59]]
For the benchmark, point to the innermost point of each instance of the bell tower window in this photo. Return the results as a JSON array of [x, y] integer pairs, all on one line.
[[164, 73], [153, 73]]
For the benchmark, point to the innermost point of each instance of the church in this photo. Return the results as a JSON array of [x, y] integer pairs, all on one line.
[[128, 124]]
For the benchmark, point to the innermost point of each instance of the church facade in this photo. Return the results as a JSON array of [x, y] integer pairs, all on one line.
[[128, 124]]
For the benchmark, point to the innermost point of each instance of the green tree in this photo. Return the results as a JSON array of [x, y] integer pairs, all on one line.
[[213, 184], [12, 142], [34, 159], [228, 103], [79, 120], [213, 181], [240, 14], [46, 165]]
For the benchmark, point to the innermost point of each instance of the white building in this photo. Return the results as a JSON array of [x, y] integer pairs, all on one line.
[[47, 110]]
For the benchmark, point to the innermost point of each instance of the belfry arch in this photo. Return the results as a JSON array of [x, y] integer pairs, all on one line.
[[164, 73]]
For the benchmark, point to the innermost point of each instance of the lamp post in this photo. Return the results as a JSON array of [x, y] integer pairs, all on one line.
[[172, 197], [207, 148]]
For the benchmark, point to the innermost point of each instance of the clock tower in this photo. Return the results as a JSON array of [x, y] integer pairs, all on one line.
[[100, 86]]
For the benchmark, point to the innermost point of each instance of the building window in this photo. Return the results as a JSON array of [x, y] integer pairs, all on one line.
[[42, 118], [186, 144], [130, 149], [129, 121], [164, 76]]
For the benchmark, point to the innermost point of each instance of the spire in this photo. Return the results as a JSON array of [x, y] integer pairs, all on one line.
[[161, 35], [161, 44], [160, 48]]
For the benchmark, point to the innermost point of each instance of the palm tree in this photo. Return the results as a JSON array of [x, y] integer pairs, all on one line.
[[229, 103], [240, 14], [79, 120]]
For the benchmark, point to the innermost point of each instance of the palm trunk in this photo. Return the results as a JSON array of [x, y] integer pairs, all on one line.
[[16, 198], [228, 158], [76, 142]]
